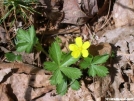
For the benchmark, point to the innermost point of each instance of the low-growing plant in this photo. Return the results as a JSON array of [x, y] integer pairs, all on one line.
[[63, 71], [67, 68], [26, 41], [15, 8]]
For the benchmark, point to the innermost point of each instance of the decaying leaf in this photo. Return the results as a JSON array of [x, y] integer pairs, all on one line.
[[89, 7], [132, 88], [122, 38], [73, 13], [100, 49], [95, 88], [49, 97], [125, 91], [125, 18], [3, 93], [80, 95], [21, 89], [112, 36], [79, 11], [28, 58], [26, 90], [4, 72], [40, 80], [31, 83], [118, 80], [100, 87]]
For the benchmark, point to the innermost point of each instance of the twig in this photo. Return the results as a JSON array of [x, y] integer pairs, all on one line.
[[107, 20]]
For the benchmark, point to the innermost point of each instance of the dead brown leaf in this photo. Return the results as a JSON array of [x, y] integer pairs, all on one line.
[[27, 82], [100, 49], [80, 95], [118, 80], [3, 93], [125, 18], [28, 89], [50, 97], [122, 38], [89, 7], [73, 13], [126, 92], [4, 72], [19, 84], [132, 88]]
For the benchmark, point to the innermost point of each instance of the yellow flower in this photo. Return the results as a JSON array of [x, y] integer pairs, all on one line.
[[79, 48]]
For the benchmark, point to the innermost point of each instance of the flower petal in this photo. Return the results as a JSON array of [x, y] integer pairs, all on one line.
[[78, 41], [75, 54], [73, 47], [86, 45], [85, 53]]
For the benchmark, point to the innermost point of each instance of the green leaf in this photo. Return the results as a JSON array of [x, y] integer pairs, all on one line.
[[68, 60], [72, 73], [86, 63], [92, 71], [26, 40], [12, 57], [62, 87], [57, 77], [75, 85], [100, 59], [51, 66], [23, 47], [18, 58], [55, 52], [101, 71], [64, 55]]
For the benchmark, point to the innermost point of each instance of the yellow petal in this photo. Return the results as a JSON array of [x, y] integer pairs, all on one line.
[[78, 41], [75, 54], [86, 45], [85, 53], [72, 47]]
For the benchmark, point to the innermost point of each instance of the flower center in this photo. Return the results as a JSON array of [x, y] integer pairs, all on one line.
[[80, 49]]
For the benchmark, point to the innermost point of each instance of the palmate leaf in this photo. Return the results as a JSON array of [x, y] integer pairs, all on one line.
[[62, 87], [100, 59], [86, 62], [94, 70], [57, 77], [26, 40], [72, 73], [55, 52], [68, 60], [51, 66]]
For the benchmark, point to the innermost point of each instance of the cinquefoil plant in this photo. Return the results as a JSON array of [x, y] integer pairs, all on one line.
[[62, 65], [64, 74], [62, 70]]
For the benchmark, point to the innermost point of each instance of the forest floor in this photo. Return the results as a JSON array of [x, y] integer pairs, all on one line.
[[107, 24]]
